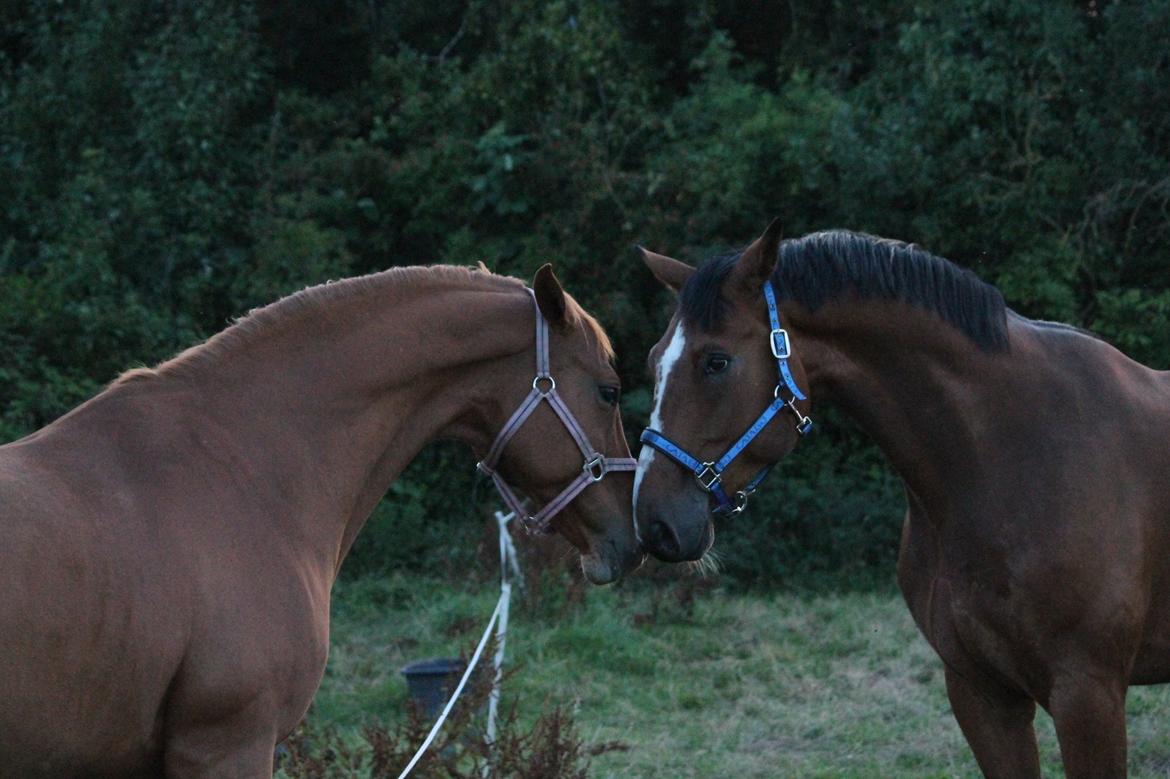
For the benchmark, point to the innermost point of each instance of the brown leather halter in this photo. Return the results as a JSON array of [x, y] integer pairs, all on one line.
[[596, 465]]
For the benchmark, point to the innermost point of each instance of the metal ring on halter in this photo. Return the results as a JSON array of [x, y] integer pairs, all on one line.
[[552, 383], [595, 467]]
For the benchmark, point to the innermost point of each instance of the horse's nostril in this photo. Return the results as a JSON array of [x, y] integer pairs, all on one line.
[[663, 541]]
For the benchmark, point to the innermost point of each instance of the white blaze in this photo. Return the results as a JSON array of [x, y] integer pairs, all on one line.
[[666, 363]]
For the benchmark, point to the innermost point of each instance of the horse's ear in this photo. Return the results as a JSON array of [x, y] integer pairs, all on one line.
[[758, 260], [550, 295], [672, 273]]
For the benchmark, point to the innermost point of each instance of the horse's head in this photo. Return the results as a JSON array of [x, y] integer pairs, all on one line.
[[718, 384], [570, 454]]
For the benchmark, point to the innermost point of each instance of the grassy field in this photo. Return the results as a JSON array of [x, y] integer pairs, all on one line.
[[698, 682]]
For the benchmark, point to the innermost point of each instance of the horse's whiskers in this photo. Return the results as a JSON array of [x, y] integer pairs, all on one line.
[[707, 565]]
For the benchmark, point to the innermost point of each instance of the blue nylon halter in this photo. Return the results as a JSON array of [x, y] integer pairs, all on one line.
[[710, 474]]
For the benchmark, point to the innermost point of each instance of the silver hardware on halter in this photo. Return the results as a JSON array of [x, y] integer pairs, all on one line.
[[741, 499], [802, 422], [712, 476], [781, 347], [595, 467], [544, 389]]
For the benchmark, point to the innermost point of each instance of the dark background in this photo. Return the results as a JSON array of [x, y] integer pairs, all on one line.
[[165, 166]]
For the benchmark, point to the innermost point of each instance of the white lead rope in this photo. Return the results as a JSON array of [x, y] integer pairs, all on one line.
[[507, 555], [500, 615]]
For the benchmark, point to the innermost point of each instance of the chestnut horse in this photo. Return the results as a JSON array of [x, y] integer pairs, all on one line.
[[167, 549], [1035, 554]]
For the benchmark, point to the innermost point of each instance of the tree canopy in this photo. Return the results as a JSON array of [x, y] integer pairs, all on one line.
[[166, 166]]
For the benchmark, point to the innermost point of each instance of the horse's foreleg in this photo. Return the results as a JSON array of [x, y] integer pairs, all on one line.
[[218, 751], [1089, 713], [998, 726], [204, 740]]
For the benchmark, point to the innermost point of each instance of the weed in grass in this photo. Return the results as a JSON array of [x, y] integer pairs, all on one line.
[[550, 749]]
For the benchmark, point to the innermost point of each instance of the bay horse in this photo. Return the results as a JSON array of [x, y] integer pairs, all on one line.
[[1035, 552], [168, 548]]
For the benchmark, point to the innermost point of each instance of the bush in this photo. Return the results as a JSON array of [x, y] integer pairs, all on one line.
[[164, 168]]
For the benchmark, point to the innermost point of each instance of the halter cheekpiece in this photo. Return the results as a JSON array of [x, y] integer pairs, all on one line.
[[710, 474], [544, 388]]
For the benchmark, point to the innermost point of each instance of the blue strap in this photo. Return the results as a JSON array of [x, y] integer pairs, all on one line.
[[671, 449], [678, 454], [709, 475], [781, 361], [725, 503], [761, 421], [757, 480], [726, 506]]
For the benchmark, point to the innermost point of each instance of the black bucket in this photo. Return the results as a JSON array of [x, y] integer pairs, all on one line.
[[431, 682]]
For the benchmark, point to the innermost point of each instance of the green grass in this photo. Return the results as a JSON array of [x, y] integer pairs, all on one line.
[[778, 685]]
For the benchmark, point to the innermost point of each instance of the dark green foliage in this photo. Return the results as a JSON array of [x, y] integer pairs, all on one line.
[[165, 166]]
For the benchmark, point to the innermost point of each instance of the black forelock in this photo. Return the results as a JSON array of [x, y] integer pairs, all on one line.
[[827, 266], [701, 298]]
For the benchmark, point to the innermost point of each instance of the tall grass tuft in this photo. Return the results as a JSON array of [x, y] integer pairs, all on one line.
[[550, 749]]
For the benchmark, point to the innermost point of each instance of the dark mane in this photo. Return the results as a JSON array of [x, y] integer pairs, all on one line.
[[827, 266]]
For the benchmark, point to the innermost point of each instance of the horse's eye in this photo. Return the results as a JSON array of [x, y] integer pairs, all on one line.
[[716, 364], [610, 395]]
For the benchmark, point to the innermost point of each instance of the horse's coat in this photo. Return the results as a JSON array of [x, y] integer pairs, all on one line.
[[1035, 553], [167, 549]]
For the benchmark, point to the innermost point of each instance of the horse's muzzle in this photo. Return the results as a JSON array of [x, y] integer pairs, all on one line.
[[674, 544]]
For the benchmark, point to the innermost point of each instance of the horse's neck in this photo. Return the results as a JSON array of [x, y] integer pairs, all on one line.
[[334, 406], [919, 388]]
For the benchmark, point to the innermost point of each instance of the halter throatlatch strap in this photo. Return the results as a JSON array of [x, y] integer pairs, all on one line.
[[710, 474], [544, 388]]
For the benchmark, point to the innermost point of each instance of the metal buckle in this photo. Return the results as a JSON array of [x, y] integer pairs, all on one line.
[[708, 477], [595, 467], [781, 347], [552, 383]]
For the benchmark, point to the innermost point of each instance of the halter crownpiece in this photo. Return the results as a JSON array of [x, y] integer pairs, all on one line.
[[710, 474], [544, 388]]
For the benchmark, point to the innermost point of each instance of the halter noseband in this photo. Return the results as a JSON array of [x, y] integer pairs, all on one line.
[[596, 465], [710, 474]]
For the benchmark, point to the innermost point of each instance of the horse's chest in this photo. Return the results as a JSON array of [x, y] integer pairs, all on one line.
[[964, 609]]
